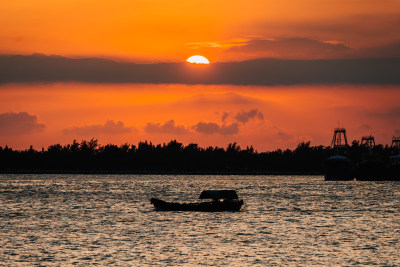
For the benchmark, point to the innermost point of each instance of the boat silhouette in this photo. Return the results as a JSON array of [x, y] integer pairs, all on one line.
[[222, 200], [338, 167]]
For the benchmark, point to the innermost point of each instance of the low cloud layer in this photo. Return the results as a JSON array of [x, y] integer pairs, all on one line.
[[168, 127], [365, 127], [387, 51], [221, 99], [19, 124], [40, 68], [293, 48], [214, 128], [244, 116], [109, 127], [225, 115], [386, 113]]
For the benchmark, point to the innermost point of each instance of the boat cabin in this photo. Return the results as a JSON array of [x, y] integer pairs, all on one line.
[[216, 195]]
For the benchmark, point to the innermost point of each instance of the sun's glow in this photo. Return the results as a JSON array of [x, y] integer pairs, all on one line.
[[198, 60]]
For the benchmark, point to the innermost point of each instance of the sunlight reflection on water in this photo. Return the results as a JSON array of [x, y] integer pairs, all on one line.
[[108, 220]]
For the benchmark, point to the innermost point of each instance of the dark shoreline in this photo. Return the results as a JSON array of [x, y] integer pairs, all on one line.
[[174, 158]]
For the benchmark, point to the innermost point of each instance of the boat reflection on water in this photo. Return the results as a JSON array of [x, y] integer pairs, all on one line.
[[222, 200]]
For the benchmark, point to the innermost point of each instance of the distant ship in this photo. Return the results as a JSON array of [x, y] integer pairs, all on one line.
[[372, 166], [339, 167], [394, 167]]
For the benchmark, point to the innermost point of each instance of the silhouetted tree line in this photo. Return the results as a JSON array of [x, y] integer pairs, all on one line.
[[174, 157]]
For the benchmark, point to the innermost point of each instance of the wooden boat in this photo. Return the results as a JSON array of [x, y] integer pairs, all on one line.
[[222, 200]]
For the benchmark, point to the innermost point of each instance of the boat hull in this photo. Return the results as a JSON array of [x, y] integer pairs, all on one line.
[[394, 169], [215, 206], [338, 168], [371, 170], [393, 173]]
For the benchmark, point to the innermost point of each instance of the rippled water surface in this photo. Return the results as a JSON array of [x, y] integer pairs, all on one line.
[[108, 220]]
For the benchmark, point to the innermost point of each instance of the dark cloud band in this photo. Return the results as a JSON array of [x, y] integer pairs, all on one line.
[[167, 127], [109, 127], [40, 68], [214, 128]]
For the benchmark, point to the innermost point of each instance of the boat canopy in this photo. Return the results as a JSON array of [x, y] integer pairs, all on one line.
[[337, 158], [219, 194]]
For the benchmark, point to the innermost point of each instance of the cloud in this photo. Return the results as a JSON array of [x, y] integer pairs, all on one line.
[[365, 127], [109, 127], [300, 139], [19, 124], [221, 99], [244, 117], [197, 45], [293, 48], [358, 29], [214, 128], [225, 115], [39, 68], [167, 127], [385, 51], [283, 135], [392, 113]]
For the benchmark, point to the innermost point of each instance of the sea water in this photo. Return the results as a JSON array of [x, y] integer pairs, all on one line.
[[61, 220]]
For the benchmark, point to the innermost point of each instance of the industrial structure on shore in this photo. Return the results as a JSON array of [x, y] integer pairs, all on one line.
[[368, 164]]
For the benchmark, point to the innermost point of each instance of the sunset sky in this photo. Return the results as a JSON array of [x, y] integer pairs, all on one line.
[[116, 71]]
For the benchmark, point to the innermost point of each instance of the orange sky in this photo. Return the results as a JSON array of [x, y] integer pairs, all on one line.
[[157, 30], [152, 31], [270, 117]]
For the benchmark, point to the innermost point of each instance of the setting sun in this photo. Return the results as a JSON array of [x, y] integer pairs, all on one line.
[[198, 60]]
